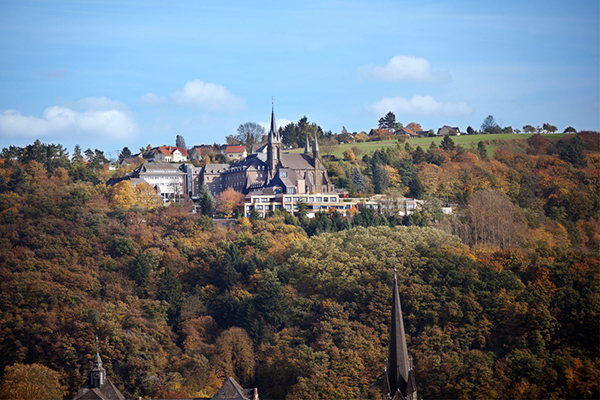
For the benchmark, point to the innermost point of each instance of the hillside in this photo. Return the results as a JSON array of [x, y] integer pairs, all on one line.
[[300, 309]]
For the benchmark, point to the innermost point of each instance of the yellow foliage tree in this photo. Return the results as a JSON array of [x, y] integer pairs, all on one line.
[[235, 355], [147, 197], [31, 381], [394, 177], [361, 137], [123, 195], [349, 155]]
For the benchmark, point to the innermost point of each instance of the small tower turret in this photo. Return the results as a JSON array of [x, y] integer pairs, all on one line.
[[98, 374]]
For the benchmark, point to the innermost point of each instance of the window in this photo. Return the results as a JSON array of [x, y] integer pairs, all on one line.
[[333, 199], [264, 200], [267, 208], [248, 208], [259, 207], [288, 206], [319, 199], [303, 199], [277, 207], [288, 199], [311, 199], [325, 199], [296, 198], [291, 190], [283, 174]]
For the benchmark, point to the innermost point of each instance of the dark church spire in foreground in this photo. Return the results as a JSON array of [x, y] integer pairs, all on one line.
[[400, 381]]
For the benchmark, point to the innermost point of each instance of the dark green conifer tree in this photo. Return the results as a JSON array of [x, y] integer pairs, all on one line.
[[447, 143], [169, 290], [359, 181]]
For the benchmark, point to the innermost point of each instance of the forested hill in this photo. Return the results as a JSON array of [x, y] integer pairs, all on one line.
[[299, 309]]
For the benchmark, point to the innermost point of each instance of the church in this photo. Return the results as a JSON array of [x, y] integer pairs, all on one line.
[[278, 172]]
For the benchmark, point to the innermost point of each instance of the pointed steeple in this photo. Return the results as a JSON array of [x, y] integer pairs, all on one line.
[[307, 146], [398, 363], [273, 136], [315, 148]]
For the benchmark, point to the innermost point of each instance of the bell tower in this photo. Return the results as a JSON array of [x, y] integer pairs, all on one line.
[[98, 374], [273, 147]]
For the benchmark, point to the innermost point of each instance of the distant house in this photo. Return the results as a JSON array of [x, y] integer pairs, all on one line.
[[408, 132], [195, 153], [448, 130], [423, 133], [135, 159], [234, 152], [169, 154], [231, 390]]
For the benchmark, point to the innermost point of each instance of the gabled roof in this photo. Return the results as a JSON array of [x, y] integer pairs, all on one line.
[[406, 131], [107, 391], [231, 390], [259, 148], [235, 149], [297, 161], [168, 150], [157, 168]]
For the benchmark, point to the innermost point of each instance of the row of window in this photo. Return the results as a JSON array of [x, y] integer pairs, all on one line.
[[312, 199]]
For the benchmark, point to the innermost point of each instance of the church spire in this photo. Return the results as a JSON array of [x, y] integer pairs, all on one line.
[[307, 146], [398, 362], [273, 136], [315, 148]]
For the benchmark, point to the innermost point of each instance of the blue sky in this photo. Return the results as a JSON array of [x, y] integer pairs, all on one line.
[[109, 74]]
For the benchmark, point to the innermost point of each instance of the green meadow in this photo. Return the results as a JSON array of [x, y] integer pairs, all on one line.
[[462, 140]]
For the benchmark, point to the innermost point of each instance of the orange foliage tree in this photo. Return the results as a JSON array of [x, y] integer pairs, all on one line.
[[228, 201]]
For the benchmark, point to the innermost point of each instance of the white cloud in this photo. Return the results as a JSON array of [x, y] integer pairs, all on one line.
[[103, 118], [405, 68], [420, 105], [199, 94]]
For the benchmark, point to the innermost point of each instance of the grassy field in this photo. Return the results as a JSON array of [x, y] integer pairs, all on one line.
[[463, 140]]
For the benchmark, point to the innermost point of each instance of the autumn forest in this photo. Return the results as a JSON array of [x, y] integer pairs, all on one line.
[[500, 300]]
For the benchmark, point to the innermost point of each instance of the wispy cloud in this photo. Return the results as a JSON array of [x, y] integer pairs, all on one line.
[[405, 68], [98, 118], [420, 105], [59, 73], [199, 94]]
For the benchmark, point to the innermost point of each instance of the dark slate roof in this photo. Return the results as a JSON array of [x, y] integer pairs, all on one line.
[[251, 162], [215, 168], [288, 181], [107, 391], [297, 161], [398, 354], [231, 390], [157, 168]]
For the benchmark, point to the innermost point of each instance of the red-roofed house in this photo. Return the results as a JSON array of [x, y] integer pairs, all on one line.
[[234, 152], [167, 154]]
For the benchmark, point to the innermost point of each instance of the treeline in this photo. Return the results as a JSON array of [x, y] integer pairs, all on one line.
[[554, 183], [297, 310]]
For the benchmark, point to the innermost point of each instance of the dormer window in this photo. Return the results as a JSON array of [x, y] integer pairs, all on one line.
[[283, 174]]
